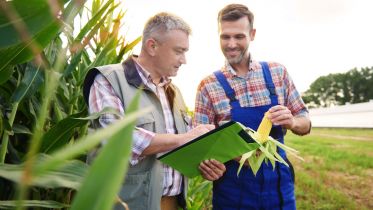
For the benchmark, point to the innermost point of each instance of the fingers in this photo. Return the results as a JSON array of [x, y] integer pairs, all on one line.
[[212, 169], [218, 165], [281, 115], [205, 127], [200, 130], [210, 126]]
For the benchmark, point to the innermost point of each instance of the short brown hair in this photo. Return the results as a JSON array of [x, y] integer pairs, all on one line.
[[233, 12]]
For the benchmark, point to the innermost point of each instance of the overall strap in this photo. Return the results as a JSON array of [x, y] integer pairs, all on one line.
[[277, 129], [269, 83], [229, 92]]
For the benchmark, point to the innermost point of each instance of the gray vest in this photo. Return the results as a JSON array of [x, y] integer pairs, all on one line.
[[142, 187]]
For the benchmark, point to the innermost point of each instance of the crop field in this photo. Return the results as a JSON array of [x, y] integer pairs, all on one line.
[[337, 171]]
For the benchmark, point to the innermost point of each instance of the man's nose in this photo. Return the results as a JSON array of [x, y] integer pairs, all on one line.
[[232, 43], [183, 59]]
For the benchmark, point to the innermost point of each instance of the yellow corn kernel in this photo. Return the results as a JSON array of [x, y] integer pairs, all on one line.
[[264, 129]]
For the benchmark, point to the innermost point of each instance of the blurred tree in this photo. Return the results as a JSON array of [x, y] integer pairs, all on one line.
[[354, 86]]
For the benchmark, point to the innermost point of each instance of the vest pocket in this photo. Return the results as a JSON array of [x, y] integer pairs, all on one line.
[[135, 190], [146, 122]]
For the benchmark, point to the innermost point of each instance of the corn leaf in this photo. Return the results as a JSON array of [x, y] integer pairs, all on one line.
[[86, 143], [30, 83], [69, 175], [104, 180], [280, 159], [41, 25], [255, 162], [272, 149], [244, 159], [33, 203]]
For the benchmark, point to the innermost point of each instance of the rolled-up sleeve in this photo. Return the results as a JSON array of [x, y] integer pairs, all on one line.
[[101, 96]]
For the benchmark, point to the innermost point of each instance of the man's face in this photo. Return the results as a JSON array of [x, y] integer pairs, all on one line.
[[170, 52], [235, 37]]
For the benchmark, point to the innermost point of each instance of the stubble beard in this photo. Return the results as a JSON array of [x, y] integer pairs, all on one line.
[[238, 59]]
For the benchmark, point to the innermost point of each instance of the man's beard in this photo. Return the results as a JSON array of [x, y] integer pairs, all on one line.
[[238, 59]]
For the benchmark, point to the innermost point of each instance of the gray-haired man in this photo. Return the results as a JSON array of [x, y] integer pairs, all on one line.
[[149, 184]]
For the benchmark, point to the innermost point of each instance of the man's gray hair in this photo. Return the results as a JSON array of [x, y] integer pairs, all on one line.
[[162, 23]]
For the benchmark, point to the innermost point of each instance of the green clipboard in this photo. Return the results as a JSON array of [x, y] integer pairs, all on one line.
[[223, 144]]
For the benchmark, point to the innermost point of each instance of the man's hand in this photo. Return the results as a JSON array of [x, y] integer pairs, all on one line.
[[281, 115], [212, 169], [195, 132]]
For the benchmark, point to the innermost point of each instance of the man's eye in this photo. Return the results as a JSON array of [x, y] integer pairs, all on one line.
[[224, 37], [240, 37]]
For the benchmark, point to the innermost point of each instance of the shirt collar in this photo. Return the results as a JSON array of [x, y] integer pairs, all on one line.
[[146, 78], [228, 67]]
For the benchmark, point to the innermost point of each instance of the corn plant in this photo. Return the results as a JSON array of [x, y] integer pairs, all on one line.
[[46, 49], [199, 194]]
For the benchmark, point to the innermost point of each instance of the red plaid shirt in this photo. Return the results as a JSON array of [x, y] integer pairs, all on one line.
[[212, 105], [102, 95]]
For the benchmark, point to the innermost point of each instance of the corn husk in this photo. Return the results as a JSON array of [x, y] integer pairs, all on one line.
[[267, 150]]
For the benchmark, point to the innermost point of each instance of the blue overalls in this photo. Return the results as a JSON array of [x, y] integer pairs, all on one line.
[[269, 189]]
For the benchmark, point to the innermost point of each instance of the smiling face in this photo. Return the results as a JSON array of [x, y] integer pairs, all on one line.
[[169, 53], [235, 38]]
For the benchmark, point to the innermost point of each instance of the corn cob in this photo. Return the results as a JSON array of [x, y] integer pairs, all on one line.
[[267, 147], [264, 129]]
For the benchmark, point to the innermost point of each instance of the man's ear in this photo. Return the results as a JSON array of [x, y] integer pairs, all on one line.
[[252, 34], [150, 46]]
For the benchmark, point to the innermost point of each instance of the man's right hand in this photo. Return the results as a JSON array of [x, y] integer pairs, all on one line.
[[196, 131], [165, 142]]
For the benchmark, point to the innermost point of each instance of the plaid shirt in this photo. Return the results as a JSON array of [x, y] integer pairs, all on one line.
[[102, 95], [212, 105]]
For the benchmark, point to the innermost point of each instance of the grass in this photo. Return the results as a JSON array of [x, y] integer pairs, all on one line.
[[338, 169], [337, 172]]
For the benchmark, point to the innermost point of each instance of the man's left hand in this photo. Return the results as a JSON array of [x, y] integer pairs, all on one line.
[[212, 169], [281, 115]]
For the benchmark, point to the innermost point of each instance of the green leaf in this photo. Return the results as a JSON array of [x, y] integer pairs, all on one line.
[[287, 149], [272, 148], [31, 82], [86, 143], [69, 175], [33, 203], [75, 60], [266, 153], [131, 45], [17, 128], [103, 180], [6, 73], [72, 10], [244, 159], [61, 133], [256, 162], [280, 159], [93, 21], [106, 110], [101, 57], [41, 26], [34, 13], [1, 123]]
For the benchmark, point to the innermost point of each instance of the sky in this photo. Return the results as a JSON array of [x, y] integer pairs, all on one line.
[[311, 38]]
